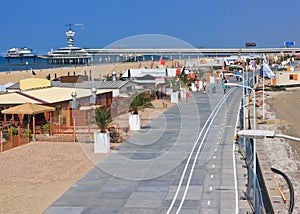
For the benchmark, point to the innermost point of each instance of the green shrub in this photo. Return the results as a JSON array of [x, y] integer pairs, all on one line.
[[140, 102], [14, 130], [103, 118], [46, 128]]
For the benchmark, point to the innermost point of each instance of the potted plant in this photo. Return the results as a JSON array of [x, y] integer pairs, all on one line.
[[139, 102], [101, 139]]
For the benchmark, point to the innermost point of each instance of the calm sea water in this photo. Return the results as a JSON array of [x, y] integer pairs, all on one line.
[[15, 64]]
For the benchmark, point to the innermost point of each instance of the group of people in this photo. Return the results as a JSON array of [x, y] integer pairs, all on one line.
[[200, 85]]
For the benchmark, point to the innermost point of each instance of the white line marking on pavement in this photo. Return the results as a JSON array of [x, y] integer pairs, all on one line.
[[235, 171], [211, 175], [208, 203]]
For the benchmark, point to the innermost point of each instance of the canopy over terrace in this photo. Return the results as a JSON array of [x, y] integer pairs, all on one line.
[[29, 109]]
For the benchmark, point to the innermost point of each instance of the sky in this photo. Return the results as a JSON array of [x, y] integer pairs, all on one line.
[[41, 24]]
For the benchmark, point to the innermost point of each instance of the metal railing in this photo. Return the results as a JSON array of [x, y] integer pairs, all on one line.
[[247, 152]]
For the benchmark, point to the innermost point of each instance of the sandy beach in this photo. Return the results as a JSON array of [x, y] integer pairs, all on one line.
[[283, 116], [95, 71]]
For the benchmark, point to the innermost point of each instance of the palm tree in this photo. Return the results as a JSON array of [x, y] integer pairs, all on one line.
[[103, 118], [140, 102]]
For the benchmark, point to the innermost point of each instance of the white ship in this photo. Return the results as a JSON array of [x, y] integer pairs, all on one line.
[[19, 53]]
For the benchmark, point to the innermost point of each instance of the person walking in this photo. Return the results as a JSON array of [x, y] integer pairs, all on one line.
[[204, 87], [187, 96], [224, 88], [213, 88]]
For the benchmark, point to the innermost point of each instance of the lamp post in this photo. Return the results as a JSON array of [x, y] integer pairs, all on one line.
[[260, 134], [243, 73], [254, 139], [244, 104]]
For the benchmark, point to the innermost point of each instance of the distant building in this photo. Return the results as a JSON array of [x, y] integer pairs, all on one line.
[[286, 78]]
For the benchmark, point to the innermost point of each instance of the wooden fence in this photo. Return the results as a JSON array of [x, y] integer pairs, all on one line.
[[13, 137], [10, 138]]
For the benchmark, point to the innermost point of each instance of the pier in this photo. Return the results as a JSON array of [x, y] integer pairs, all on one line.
[[21, 59]]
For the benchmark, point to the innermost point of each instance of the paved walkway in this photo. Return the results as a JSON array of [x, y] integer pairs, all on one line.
[[141, 175]]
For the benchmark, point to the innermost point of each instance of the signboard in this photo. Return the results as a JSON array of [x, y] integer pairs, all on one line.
[[250, 44], [289, 43]]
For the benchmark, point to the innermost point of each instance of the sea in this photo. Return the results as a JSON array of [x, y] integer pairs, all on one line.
[[16, 66]]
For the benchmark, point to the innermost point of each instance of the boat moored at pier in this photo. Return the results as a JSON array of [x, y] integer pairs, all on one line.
[[20, 54]]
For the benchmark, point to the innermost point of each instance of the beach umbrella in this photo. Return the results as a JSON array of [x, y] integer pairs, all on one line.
[[29, 109]]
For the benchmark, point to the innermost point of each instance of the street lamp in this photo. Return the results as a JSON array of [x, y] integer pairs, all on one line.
[[244, 110], [254, 138], [243, 72], [260, 134]]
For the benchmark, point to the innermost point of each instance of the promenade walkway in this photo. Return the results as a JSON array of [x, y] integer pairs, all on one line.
[[142, 175]]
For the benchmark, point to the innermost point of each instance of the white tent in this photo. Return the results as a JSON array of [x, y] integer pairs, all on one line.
[[156, 72]]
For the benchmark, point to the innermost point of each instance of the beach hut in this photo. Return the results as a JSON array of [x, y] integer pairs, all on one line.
[[286, 78], [29, 109]]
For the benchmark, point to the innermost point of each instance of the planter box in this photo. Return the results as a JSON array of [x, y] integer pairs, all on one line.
[[101, 142], [174, 97], [134, 122]]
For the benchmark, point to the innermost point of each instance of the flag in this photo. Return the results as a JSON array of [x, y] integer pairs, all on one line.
[[162, 61], [224, 65], [265, 58], [267, 72], [253, 63]]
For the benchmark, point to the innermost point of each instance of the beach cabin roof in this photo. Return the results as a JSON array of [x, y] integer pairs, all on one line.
[[15, 99], [30, 83], [59, 94], [91, 84], [46, 95]]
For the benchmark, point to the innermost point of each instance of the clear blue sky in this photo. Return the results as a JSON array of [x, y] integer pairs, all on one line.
[[40, 24]]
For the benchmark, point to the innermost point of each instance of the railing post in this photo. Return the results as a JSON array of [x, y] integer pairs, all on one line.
[[19, 136], [74, 135], [11, 136], [1, 143], [59, 118], [51, 125]]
